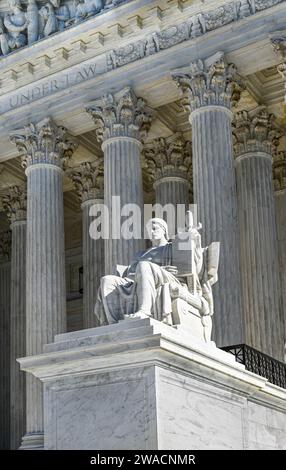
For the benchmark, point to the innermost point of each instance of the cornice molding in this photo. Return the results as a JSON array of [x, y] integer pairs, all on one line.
[[152, 42]]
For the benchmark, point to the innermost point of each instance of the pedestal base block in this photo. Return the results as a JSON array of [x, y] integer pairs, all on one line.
[[141, 384]]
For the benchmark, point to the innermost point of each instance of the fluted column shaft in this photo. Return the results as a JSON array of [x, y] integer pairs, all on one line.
[[46, 290], [280, 209], [88, 181], [215, 196], [5, 285], [168, 163], [93, 264], [122, 121], [15, 204], [44, 148], [259, 253], [122, 178], [18, 332], [209, 88], [172, 190]]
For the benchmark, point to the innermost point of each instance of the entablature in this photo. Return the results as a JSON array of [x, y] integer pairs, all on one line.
[[141, 57]]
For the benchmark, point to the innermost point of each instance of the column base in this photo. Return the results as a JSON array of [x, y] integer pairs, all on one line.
[[33, 441]]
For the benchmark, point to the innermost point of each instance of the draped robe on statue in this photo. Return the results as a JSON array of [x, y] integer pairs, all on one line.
[[119, 296], [147, 285]]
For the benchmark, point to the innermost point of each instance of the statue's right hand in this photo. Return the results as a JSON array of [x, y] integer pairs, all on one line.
[[171, 269]]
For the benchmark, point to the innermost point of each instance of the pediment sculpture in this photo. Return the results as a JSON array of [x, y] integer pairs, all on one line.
[[171, 282], [23, 25]]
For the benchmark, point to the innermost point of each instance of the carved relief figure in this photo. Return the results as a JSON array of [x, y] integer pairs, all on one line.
[[87, 8], [56, 17], [62, 13], [153, 286], [4, 39], [32, 16], [47, 12], [16, 23]]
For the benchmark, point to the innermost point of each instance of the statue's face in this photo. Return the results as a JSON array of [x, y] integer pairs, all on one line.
[[156, 231]]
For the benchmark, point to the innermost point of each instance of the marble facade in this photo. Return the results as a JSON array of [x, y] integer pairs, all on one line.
[[155, 102]]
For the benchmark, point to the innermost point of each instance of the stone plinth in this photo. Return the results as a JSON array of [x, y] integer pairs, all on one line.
[[140, 384]]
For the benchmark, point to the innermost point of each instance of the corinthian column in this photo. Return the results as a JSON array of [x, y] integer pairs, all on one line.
[[88, 180], [279, 174], [15, 204], [44, 147], [253, 133], [208, 88], [122, 120], [169, 164], [5, 297]]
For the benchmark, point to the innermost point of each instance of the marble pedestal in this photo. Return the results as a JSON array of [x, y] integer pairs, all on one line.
[[141, 384]]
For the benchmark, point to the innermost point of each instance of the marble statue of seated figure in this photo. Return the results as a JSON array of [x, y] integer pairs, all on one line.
[[151, 285]]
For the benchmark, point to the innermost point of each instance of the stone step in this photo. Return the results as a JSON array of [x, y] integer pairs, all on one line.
[[126, 324], [118, 335]]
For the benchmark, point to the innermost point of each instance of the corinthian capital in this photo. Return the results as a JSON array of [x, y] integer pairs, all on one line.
[[88, 180], [121, 115], [278, 41], [45, 143], [5, 245], [15, 203], [279, 171], [168, 157], [254, 131], [209, 82]]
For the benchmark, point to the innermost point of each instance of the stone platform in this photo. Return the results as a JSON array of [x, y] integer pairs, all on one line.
[[141, 384]]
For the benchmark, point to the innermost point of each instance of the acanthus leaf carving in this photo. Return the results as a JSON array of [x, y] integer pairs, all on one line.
[[279, 170], [209, 82], [220, 16], [264, 4], [168, 157], [255, 131], [121, 115], [15, 203], [5, 245], [45, 143], [88, 179]]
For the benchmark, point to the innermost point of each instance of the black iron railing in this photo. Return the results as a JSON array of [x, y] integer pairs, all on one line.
[[259, 363]]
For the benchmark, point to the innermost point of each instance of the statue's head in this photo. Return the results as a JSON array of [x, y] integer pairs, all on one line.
[[157, 229]]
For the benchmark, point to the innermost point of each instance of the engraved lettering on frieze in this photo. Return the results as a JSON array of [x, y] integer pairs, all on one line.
[[49, 87], [195, 26]]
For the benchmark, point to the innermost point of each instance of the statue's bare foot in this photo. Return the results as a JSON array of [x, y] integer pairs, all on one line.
[[139, 314]]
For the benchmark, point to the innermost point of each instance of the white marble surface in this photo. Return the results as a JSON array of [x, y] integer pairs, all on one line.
[[5, 296], [114, 410], [151, 386], [196, 415]]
